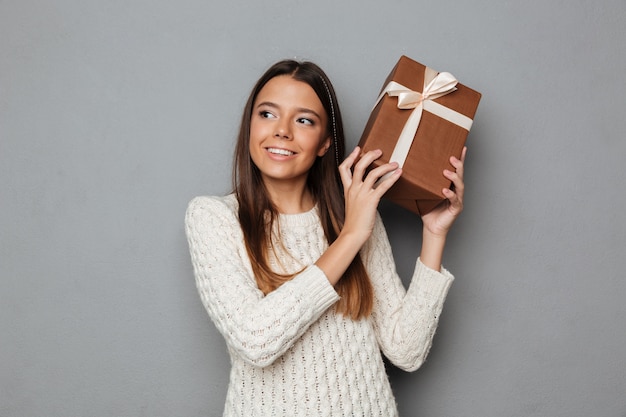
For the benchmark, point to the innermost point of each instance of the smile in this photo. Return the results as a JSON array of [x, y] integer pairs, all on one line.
[[277, 151]]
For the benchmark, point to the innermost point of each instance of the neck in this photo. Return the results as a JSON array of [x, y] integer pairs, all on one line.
[[290, 199]]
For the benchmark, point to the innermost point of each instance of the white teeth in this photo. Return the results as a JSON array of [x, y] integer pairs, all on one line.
[[277, 151]]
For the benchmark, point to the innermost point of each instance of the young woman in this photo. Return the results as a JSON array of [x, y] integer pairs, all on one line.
[[295, 268]]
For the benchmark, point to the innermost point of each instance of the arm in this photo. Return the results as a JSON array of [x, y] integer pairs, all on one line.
[[362, 194], [405, 321], [259, 328], [438, 222]]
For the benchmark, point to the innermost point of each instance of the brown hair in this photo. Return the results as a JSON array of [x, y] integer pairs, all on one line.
[[323, 181]]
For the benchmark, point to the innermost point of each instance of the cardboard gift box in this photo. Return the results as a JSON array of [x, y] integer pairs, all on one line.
[[420, 119]]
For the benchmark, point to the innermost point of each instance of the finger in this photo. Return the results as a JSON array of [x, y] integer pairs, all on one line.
[[454, 201], [363, 163], [457, 183], [459, 164], [387, 181], [349, 161], [379, 174], [345, 167]]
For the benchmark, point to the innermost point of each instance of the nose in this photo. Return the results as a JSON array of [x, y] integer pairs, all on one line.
[[282, 130]]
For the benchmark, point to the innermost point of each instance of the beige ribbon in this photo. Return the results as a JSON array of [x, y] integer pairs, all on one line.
[[435, 86]]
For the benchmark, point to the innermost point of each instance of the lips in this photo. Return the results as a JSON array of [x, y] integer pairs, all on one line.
[[278, 151]]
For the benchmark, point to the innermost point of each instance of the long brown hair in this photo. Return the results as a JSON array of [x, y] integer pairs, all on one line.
[[323, 181]]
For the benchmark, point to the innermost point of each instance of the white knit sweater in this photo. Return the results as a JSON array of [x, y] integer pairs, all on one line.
[[291, 354]]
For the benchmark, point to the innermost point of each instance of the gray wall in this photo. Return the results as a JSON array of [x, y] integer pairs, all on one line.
[[114, 114]]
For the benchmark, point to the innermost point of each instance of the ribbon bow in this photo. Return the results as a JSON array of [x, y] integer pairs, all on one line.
[[435, 86]]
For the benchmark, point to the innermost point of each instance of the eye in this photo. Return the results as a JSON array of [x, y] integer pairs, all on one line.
[[266, 114], [305, 121]]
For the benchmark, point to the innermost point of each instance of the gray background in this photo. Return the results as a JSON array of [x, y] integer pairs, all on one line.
[[114, 114]]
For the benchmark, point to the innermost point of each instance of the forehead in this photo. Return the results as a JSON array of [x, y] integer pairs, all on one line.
[[285, 91]]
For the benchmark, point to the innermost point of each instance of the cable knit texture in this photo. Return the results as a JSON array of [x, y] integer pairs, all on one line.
[[291, 353]]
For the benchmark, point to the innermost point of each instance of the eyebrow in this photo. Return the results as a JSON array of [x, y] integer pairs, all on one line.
[[299, 109]]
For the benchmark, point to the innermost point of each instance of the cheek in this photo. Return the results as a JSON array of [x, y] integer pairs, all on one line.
[[253, 146], [257, 135], [254, 130], [253, 143]]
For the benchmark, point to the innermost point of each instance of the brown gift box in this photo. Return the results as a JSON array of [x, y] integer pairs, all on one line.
[[436, 139]]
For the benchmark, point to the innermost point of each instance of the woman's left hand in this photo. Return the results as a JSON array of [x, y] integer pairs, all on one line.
[[439, 221]]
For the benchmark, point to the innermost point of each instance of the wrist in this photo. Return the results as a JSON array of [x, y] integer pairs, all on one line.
[[337, 258], [356, 238], [433, 245], [435, 236]]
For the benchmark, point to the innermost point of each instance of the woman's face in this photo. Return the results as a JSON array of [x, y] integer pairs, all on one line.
[[287, 131]]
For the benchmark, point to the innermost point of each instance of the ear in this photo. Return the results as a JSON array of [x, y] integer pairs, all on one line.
[[325, 146]]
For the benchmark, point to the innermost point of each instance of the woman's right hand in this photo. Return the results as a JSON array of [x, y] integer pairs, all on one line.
[[362, 194], [363, 191]]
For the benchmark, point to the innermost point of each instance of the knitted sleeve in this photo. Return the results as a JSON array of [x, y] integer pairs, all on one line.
[[259, 328], [404, 320]]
